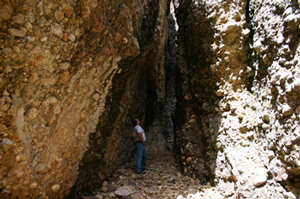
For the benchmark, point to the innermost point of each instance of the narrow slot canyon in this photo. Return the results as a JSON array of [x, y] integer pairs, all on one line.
[[215, 84]]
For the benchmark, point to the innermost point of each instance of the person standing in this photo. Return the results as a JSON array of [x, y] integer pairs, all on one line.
[[139, 142]]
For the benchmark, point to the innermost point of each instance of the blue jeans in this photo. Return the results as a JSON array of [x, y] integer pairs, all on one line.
[[141, 157]]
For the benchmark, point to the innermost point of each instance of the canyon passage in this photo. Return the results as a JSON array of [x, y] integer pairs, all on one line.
[[215, 84]]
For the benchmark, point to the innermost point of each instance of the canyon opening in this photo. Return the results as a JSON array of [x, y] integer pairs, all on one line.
[[215, 84]]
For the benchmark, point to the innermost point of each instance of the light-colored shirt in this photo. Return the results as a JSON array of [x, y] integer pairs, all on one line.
[[138, 129]]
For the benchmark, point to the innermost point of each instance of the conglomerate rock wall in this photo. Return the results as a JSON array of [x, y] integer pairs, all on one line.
[[70, 70], [238, 100], [74, 73]]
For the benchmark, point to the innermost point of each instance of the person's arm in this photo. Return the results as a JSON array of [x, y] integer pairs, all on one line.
[[141, 138]]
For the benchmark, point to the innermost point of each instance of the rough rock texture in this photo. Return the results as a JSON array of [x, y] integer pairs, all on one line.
[[161, 180], [70, 71], [74, 73], [238, 118], [137, 92]]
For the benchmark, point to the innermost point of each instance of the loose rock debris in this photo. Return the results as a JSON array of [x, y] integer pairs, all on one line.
[[162, 180]]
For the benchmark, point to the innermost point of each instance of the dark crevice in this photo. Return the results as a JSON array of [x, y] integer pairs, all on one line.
[[249, 16], [170, 99], [194, 60]]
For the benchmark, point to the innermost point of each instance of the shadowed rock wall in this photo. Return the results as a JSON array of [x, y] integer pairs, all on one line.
[[137, 92], [70, 71]]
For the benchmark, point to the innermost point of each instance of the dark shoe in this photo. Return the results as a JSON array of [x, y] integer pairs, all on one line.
[[144, 169], [140, 173]]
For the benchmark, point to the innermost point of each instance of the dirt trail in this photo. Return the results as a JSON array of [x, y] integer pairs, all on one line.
[[162, 180]]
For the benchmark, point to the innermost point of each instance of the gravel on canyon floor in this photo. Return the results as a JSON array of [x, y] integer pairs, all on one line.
[[162, 179]]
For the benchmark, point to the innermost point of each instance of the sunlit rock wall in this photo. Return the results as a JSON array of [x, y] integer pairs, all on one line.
[[239, 96], [59, 63], [276, 91]]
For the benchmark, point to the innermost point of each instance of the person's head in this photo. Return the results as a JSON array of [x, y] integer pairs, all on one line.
[[135, 122]]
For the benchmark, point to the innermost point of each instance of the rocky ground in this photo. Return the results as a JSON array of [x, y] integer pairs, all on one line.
[[162, 180]]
